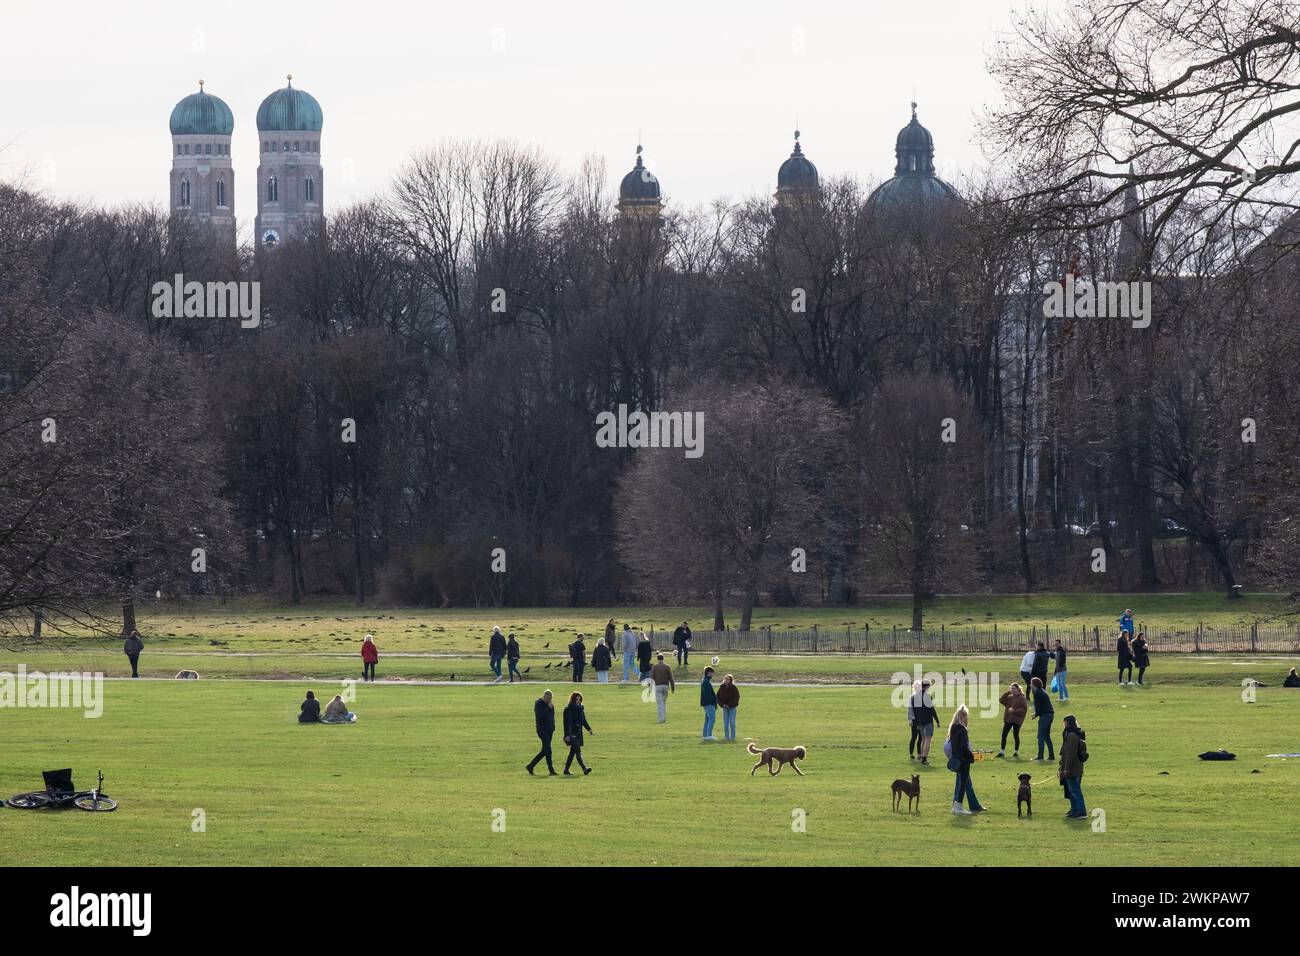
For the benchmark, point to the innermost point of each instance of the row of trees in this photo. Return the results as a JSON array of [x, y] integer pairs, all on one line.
[[886, 406]]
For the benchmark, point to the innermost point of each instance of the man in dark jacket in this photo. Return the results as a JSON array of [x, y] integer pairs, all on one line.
[[496, 651], [1058, 673], [132, 648], [578, 654], [544, 714], [709, 701], [682, 641], [644, 652], [1073, 754], [1043, 713], [1041, 659]]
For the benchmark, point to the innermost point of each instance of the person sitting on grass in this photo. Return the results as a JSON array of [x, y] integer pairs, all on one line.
[[336, 712], [310, 712], [1291, 679]]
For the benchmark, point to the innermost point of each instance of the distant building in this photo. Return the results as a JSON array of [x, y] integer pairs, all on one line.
[[796, 180], [290, 179], [639, 195], [202, 178], [914, 180]]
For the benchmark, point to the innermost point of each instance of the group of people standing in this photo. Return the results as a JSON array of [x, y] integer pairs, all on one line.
[[1131, 650]]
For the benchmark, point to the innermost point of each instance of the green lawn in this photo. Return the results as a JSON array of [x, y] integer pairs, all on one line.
[[418, 778]]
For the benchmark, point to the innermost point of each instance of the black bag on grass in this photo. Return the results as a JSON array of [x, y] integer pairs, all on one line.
[[1218, 755]]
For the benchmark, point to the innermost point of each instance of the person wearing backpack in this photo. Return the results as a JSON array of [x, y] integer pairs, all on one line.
[[132, 648], [578, 655], [1074, 754]]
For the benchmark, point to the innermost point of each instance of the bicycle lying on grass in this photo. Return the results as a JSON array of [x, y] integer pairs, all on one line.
[[59, 792]]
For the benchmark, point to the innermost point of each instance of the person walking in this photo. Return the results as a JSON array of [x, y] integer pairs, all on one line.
[[132, 647], [1124, 655], [1043, 713], [709, 701], [729, 700], [496, 651], [369, 658], [1041, 659], [629, 653], [544, 717], [575, 719], [1058, 673], [643, 654], [1141, 657], [512, 658], [960, 758], [578, 656], [662, 675], [682, 641], [1027, 665], [1074, 753], [601, 662], [610, 634], [1015, 707]]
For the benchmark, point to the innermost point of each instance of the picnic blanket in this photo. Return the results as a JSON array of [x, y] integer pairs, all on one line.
[[348, 718]]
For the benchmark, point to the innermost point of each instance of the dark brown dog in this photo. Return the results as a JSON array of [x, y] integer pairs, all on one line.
[[781, 756], [1025, 796], [913, 791]]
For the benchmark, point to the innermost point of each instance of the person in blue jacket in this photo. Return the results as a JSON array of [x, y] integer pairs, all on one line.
[[709, 701]]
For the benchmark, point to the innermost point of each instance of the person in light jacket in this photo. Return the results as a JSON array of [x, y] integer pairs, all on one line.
[[629, 655]]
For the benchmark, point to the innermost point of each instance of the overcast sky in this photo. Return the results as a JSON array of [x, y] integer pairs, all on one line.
[[712, 88]]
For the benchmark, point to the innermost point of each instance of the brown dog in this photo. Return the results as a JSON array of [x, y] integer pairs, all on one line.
[[1025, 796], [781, 756], [913, 791]]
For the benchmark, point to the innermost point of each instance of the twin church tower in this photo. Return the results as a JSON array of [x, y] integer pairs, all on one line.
[[290, 179]]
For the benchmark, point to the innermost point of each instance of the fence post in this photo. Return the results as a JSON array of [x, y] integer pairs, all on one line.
[[943, 639], [895, 638], [1199, 627], [1096, 637], [769, 638], [814, 638], [866, 638], [1254, 633], [995, 637]]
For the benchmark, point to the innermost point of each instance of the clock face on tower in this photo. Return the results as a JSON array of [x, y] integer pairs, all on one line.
[[270, 237]]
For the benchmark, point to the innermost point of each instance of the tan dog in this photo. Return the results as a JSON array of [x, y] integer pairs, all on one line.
[[781, 756], [913, 791]]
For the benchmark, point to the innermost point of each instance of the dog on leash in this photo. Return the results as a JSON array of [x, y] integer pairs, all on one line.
[[913, 791], [781, 756], [1025, 796]]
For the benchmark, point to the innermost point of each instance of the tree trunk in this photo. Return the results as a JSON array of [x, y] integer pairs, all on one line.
[[128, 615], [719, 621], [747, 612], [36, 625], [357, 549], [918, 599]]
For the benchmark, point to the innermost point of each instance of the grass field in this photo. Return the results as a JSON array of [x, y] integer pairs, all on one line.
[[418, 778]]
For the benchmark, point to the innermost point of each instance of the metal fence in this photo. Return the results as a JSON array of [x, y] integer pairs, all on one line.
[[1244, 638]]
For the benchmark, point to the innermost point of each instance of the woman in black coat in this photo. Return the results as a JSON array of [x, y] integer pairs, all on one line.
[[1125, 653], [1140, 656], [575, 719]]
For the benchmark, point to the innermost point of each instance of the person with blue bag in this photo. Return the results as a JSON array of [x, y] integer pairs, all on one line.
[[1058, 673]]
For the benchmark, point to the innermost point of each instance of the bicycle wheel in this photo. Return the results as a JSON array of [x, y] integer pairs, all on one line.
[[30, 801], [101, 803]]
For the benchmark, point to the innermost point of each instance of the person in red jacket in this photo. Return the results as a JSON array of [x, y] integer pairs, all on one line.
[[369, 658]]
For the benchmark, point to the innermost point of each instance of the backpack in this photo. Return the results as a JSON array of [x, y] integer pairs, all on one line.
[[1083, 750]]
